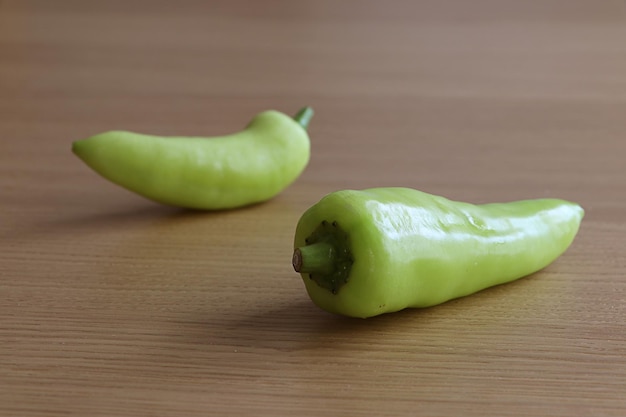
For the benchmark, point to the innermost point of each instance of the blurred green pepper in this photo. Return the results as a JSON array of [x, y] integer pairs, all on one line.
[[247, 167], [365, 253]]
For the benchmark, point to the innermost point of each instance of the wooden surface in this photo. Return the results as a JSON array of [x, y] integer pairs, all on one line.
[[111, 305]]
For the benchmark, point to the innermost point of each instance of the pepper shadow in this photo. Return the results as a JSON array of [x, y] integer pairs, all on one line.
[[295, 326], [70, 222], [298, 324]]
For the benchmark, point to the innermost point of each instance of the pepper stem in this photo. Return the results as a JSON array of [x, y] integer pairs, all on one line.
[[326, 257], [304, 116], [316, 258]]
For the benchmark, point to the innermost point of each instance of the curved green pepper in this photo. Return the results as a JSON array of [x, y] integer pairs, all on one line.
[[224, 172], [364, 253]]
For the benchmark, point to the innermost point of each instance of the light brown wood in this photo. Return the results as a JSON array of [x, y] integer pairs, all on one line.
[[111, 305]]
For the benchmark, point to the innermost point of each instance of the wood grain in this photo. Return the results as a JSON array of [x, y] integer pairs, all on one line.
[[111, 305]]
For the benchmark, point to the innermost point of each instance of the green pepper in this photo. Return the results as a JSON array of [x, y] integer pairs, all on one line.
[[224, 172], [365, 253]]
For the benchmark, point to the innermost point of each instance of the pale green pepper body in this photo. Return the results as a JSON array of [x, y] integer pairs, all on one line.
[[224, 172], [405, 248]]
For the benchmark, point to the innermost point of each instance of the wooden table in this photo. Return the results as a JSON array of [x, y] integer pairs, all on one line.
[[111, 305]]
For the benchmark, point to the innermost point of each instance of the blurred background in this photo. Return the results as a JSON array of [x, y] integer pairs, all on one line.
[[393, 83]]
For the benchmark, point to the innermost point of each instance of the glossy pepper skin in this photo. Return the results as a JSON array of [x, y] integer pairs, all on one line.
[[365, 253], [224, 172]]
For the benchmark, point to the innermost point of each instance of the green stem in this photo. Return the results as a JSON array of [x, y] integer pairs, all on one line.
[[304, 116], [316, 258]]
